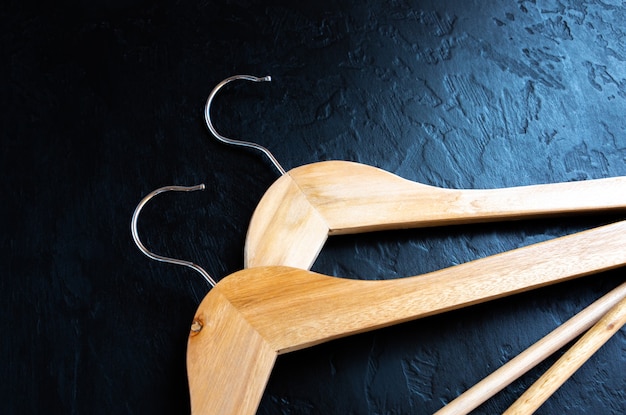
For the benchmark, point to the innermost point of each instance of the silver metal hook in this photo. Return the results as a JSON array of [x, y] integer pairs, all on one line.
[[142, 248], [226, 140]]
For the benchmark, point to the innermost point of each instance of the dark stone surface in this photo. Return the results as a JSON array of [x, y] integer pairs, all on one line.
[[102, 102]]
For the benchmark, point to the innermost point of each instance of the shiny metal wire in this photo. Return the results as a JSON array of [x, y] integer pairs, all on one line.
[[141, 246], [226, 140]]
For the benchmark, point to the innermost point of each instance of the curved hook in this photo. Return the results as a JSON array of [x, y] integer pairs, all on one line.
[[142, 248], [207, 117]]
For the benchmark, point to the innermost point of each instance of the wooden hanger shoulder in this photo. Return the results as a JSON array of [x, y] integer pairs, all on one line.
[[285, 219], [296, 215]]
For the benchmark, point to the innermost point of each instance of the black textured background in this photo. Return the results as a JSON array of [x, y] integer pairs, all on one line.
[[102, 102]]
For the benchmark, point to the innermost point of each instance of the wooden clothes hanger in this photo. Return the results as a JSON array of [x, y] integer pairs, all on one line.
[[253, 315], [596, 317], [307, 204], [571, 361], [303, 207]]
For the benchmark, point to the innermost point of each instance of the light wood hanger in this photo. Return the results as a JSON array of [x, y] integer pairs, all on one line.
[[307, 204], [303, 207], [570, 362], [252, 316], [535, 354]]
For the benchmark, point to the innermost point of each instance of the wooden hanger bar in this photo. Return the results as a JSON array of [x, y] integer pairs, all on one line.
[[254, 315], [304, 206], [535, 354], [570, 362]]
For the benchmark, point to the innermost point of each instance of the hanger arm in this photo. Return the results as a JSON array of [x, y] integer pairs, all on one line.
[[303, 207], [570, 362], [535, 354], [253, 315]]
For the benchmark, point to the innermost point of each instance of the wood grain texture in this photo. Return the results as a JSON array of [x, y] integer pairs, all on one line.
[[226, 358], [285, 214], [292, 221], [570, 362], [289, 309]]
